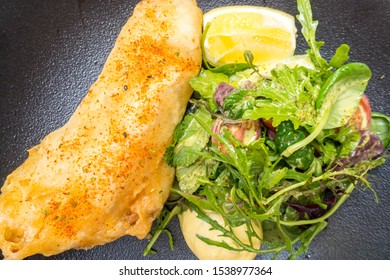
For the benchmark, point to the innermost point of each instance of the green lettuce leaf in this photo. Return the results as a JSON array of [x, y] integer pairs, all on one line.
[[340, 57], [206, 83], [380, 125], [285, 97], [190, 138]]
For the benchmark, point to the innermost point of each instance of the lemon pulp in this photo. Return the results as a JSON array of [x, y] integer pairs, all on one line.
[[269, 34]]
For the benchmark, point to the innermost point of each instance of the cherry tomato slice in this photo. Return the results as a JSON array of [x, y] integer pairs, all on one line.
[[362, 117]]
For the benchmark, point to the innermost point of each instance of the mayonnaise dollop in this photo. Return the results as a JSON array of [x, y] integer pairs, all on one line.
[[191, 225]]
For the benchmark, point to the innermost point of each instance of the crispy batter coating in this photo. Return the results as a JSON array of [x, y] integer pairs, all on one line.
[[102, 175]]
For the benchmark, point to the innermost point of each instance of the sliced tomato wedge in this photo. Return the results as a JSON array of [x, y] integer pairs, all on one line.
[[245, 132], [362, 117]]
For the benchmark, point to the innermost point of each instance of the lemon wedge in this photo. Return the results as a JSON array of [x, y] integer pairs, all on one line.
[[268, 33]]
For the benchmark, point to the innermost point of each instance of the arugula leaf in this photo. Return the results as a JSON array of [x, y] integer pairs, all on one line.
[[309, 28], [165, 217], [226, 231], [194, 199]]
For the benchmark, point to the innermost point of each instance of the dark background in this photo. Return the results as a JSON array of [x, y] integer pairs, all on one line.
[[52, 51]]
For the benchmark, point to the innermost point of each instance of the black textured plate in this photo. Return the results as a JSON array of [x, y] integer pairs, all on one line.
[[52, 51]]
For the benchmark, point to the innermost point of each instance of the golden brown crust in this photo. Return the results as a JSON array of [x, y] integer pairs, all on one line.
[[102, 175]]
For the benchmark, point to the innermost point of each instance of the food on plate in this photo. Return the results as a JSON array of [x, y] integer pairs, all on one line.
[[102, 175], [282, 144], [229, 31]]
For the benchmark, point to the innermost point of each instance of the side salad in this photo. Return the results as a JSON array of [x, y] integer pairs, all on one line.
[[283, 149]]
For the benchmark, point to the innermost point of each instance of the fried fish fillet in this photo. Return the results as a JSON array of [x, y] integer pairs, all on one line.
[[102, 175]]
